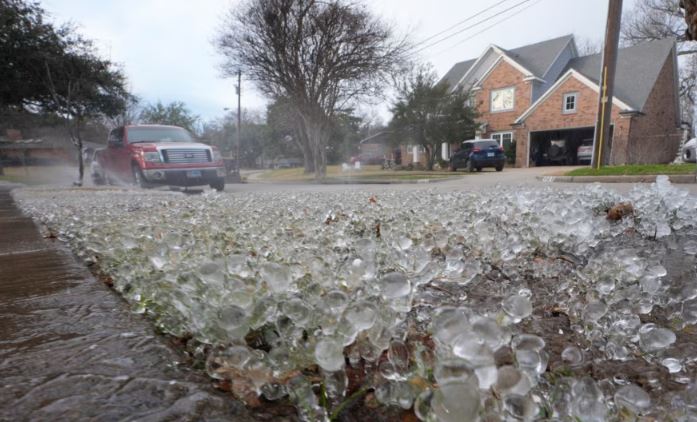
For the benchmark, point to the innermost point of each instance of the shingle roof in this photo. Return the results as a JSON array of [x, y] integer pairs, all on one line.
[[535, 57], [456, 72], [637, 70], [539, 56]]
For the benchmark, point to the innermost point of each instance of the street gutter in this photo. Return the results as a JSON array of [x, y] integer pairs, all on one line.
[[646, 178]]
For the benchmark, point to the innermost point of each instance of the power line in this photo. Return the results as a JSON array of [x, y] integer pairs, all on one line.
[[487, 28], [459, 23], [469, 27]]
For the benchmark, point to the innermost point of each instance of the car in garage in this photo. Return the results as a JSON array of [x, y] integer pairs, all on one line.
[[149, 155], [689, 151], [584, 153], [477, 154]]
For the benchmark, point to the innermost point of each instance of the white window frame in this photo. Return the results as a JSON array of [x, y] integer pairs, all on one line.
[[498, 137], [491, 99], [567, 95]]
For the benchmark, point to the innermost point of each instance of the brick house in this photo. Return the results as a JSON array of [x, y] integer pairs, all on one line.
[[545, 94]]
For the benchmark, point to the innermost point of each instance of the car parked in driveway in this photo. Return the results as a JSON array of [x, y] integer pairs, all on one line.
[[477, 154], [148, 155]]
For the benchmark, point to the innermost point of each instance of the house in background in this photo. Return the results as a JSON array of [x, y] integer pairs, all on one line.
[[544, 95]]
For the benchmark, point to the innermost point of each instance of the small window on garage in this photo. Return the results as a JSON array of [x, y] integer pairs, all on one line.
[[570, 102]]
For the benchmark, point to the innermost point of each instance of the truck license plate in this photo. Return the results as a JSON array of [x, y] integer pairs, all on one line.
[[191, 174], [489, 154]]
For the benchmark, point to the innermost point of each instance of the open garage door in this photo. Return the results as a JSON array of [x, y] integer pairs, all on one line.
[[558, 147]]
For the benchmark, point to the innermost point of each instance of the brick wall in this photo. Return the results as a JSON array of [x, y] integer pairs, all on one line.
[[655, 136], [502, 76], [549, 116]]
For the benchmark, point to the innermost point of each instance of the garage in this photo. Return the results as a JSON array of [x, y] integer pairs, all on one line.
[[558, 147]]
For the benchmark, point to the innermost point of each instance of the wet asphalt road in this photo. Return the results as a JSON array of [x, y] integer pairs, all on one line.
[[71, 350]]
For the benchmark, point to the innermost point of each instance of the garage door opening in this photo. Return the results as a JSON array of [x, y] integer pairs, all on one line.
[[559, 147]]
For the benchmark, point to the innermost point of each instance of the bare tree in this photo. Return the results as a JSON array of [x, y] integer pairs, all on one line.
[[587, 46], [320, 55]]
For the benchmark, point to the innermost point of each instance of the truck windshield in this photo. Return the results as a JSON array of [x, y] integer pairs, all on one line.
[[157, 134]]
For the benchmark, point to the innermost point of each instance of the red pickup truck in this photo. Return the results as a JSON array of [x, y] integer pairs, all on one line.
[[148, 155]]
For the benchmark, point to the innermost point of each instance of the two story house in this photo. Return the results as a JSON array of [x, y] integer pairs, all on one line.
[[545, 94]]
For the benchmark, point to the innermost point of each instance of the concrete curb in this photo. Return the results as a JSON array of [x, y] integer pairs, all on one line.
[[674, 178], [336, 181]]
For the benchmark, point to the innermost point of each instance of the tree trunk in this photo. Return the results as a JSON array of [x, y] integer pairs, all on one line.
[[431, 152], [303, 144], [317, 132], [76, 135]]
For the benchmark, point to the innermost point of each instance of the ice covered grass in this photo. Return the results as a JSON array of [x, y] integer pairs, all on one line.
[[510, 303]]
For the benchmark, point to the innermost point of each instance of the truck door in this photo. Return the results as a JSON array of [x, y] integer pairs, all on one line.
[[118, 153]]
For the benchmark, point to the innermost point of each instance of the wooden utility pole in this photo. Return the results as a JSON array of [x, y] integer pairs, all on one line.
[[602, 142], [239, 120]]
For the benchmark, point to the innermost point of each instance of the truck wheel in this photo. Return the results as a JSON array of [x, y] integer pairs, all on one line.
[[218, 185], [499, 168], [138, 178]]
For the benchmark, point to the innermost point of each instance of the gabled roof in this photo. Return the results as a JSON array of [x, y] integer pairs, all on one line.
[[537, 58], [570, 73], [457, 72], [637, 70]]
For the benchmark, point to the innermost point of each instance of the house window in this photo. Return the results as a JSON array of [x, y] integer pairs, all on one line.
[[503, 138], [570, 101], [503, 99]]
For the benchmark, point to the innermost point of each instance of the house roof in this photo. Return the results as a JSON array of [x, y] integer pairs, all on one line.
[[637, 70], [457, 72], [378, 138], [537, 58]]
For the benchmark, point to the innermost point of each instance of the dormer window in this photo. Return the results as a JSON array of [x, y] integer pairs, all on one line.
[[502, 99], [569, 103]]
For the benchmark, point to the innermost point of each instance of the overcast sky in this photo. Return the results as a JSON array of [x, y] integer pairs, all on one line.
[[166, 51]]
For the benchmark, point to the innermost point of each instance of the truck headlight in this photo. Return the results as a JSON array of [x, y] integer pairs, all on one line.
[[151, 157], [217, 156]]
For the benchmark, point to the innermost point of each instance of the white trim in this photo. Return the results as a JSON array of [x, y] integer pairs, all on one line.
[[527, 76], [474, 65], [491, 99], [502, 54], [512, 62], [565, 96], [501, 139], [478, 83], [570, 73], [534, 78], [527, 152]]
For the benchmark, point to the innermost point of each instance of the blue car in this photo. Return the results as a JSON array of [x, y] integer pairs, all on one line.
[[477, 154]]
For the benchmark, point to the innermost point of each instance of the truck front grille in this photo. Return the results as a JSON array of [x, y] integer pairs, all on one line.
[[186, 156]]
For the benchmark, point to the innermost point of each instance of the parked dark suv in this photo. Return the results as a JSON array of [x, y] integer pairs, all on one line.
[[477, 154]]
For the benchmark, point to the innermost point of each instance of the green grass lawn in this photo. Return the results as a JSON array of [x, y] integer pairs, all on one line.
[[39, 175], [365, 173], [636, 170]]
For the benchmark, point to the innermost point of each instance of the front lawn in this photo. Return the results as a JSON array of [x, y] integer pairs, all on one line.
[[371, 172], [635, 170]]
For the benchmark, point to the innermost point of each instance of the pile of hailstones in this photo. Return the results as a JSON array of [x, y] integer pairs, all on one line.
[[289, 296]]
